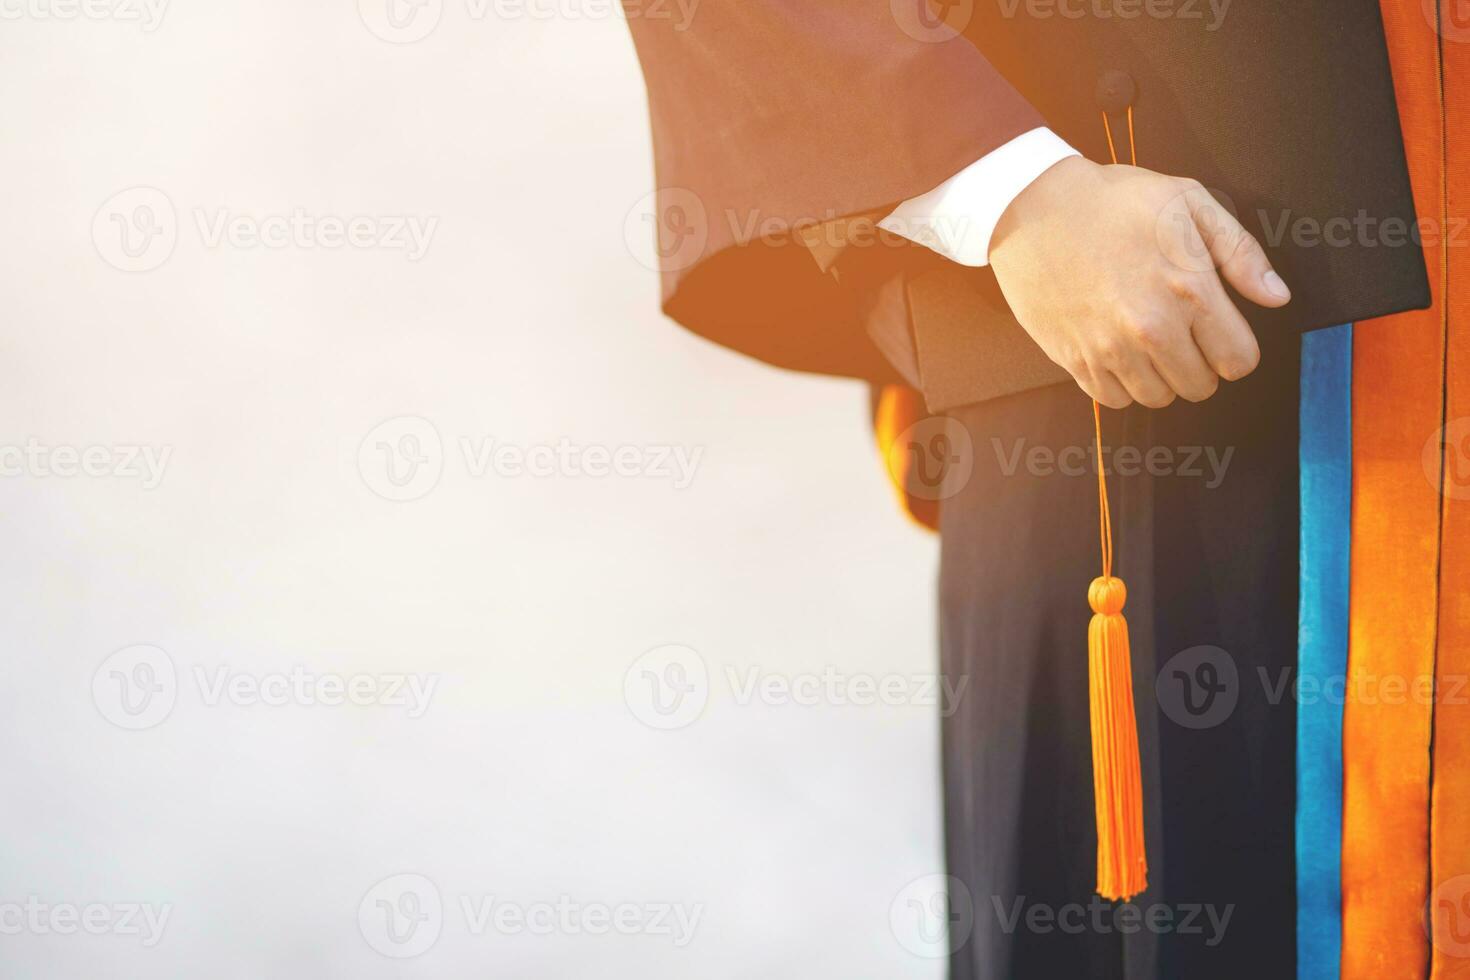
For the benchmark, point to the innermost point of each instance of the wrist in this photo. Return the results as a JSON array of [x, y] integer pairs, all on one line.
[[957, 218], [1039, 197]]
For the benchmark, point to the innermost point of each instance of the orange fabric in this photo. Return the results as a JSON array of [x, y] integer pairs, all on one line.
[[1450, 813], [898, 410], [1117, 781], [1398, 378]]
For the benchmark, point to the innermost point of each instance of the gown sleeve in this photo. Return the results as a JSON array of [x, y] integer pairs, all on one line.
[[773, 120]]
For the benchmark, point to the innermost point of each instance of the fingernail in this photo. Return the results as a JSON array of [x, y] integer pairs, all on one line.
[[1275, 286]]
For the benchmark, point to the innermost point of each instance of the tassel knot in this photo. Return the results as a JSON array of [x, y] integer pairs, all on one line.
[[1107, 595]]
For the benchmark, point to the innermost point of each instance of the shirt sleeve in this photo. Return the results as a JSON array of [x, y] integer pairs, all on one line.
[[958, 218]]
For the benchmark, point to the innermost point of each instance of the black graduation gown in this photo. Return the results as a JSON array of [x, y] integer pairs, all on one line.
[[1205, 532]]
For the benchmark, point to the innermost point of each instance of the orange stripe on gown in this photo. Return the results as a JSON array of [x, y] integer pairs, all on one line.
[[1398, 378], [1450, 815]]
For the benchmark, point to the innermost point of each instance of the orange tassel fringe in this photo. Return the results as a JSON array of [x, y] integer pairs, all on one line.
[[1122, 864]]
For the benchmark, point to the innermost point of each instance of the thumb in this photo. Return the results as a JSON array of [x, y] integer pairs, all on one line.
[[1236, 253]]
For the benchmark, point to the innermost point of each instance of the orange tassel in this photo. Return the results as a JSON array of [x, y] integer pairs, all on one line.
[[1122, 864]]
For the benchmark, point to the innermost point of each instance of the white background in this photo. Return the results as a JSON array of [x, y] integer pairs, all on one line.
[[265, 548]]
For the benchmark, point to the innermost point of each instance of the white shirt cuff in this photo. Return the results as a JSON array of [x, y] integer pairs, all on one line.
[[957, 218]]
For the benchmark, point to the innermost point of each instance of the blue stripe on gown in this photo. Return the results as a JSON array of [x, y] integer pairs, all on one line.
[[1326, 531]]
